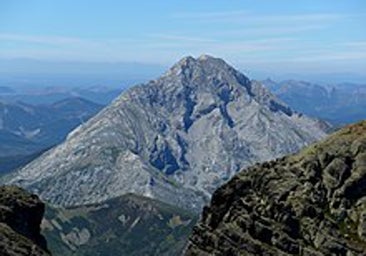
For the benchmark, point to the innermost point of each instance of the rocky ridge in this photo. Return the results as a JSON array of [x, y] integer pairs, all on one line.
[[20, 218], [311, 203], [175, 139]]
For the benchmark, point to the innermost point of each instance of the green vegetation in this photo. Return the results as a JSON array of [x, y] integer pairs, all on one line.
[[128, 225]]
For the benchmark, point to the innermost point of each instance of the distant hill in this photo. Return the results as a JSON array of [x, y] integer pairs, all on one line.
[[337, 103]]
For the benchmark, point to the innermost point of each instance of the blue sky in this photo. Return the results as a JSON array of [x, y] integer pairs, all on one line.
[[274, 36]]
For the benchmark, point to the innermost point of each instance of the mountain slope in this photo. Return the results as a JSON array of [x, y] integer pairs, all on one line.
[[127, 225], [20, 220], [312, 203], [175, 139]]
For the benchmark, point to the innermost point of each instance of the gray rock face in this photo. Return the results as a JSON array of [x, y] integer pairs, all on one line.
[[175, 139]]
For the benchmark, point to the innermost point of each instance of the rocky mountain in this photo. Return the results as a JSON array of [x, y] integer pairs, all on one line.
[[175, 139], [20, 219], [338, 103], [311, 203], [27, 130], [127, 225]]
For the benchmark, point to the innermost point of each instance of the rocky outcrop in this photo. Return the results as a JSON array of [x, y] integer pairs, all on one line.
[[20, 219], [175, 139], [312, 203]]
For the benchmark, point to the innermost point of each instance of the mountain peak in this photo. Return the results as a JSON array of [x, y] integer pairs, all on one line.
[[185, 61], [202, 57], [205, 71], [204, 61], [175, 139], [205, 58]]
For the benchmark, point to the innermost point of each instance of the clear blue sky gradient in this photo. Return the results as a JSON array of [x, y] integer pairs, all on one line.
[[281, 35]]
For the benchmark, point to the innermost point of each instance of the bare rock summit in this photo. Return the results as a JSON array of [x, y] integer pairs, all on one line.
[[175, 139]]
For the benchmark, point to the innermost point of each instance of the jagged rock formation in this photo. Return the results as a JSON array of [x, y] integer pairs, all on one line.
[[312, 203], [175, 139], [128, 225], [20, 220]]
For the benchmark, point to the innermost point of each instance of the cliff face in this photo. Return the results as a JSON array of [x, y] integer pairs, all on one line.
[[20, 218], [312, 203]]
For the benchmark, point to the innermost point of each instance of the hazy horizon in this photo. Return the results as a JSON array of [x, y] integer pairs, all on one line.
[[130, 73]]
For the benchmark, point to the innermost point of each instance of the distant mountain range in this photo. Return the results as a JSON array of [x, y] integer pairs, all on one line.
[[338, 104], [37, 95], [174, 139], [27, 130]]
